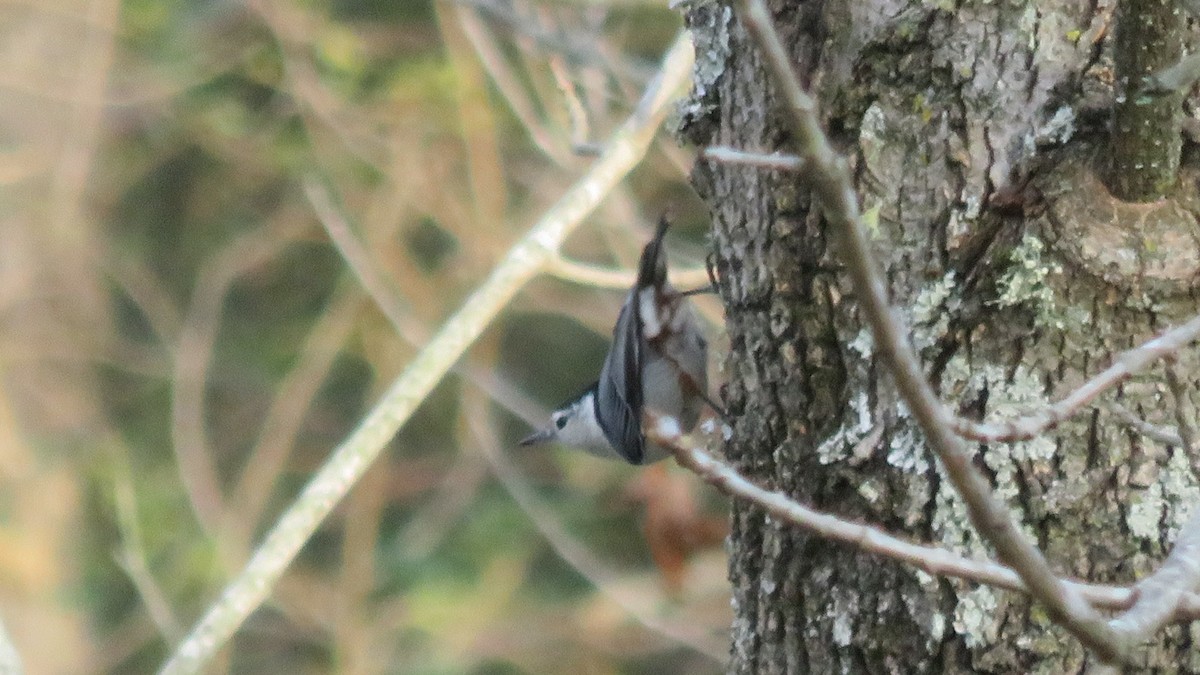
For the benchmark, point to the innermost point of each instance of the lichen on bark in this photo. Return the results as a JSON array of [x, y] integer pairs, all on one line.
[[946, 114]]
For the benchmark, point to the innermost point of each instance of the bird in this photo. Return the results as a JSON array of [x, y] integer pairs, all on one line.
[[658, 360]]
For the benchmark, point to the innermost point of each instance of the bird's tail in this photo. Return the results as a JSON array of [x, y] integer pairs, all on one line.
[[652, 270]]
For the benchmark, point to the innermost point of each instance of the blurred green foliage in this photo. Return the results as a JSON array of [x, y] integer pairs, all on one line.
[[189, 259]]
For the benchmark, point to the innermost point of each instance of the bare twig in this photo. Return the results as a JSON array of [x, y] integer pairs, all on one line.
[[580, 128], [775, 160], [352, 457], [831, 182], [197, 337], [81, 131], [132, 556], [354, 635], [1160, 594], [458, 487], [294, 26], [1125, 365], [283, 420], [337, 224], [509, 86], [1164, 435], [548, 41], [1183, 414], [482, 155], [932, 559]]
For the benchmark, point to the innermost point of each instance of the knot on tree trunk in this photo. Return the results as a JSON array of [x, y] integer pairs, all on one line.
[[1146, 247]]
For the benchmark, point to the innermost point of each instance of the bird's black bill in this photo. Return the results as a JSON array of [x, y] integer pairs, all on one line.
[[537, 438]]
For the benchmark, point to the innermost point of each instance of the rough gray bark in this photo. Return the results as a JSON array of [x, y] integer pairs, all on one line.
[[969, 129]]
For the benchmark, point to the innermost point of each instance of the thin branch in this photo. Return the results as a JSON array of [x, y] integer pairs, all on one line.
[[192, 355], [81, 133], [578, 50], [1160, 594], [1183, 414], [354, 635], [935, 560], [333, 217], [509, 86], [293, 27], [352, 457], [131, 556], [1125, 365], [580, 129], [776, 161], [1164, 435], [480, 148], [455, 491], [830, 180], [338, 225], [284, 418]]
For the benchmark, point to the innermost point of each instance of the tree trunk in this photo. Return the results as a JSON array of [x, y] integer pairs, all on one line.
[[971, 133]]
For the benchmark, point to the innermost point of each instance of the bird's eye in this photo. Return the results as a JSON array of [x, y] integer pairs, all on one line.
[[560, 422]]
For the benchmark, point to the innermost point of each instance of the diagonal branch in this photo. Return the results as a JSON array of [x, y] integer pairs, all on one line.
[[352, 457], [1164, 435], [830, 181], [1160, 595], [1126, 365], [196, 341], [937, 561], [1183, 412]]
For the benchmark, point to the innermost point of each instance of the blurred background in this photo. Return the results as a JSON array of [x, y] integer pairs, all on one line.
[[194, 198]]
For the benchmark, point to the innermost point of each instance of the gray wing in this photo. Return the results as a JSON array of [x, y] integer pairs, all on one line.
[[619, 391]]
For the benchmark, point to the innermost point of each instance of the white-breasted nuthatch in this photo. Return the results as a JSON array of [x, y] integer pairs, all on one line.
[[658, 360]]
